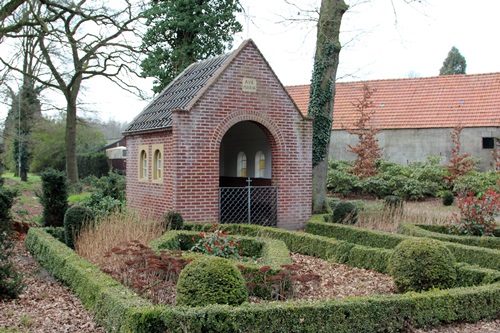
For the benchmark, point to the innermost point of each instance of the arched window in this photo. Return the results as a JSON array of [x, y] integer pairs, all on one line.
[[143, 164], [157, 164], [260, 165], [242, 164]]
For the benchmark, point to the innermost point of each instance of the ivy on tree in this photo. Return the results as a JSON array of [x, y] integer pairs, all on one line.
[[454, 63], [184, 31]]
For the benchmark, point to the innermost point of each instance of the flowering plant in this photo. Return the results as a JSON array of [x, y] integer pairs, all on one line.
[[217, 243], [477, 214]]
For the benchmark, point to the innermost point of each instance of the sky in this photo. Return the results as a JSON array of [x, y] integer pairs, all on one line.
[[382, 39]]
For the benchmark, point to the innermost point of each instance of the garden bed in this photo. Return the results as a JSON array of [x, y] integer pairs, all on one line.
[[120, 310]]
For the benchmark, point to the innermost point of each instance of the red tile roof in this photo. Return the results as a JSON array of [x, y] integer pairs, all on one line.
[[433, 102]]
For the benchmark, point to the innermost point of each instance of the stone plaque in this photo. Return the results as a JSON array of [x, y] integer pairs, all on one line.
[[249, 85]]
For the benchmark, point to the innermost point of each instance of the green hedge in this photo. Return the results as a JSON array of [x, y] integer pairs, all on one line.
[[272, 252], [120, 310], [441, 232], [96, 164], [269, 250], [107, 299], [484, 257], [356, 235], [326, 248]]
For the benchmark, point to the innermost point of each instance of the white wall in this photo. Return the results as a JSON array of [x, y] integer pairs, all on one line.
[[415, 145], [247, 137]]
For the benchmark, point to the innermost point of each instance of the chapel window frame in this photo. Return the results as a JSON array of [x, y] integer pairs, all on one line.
[[158, 163], [143, 170]]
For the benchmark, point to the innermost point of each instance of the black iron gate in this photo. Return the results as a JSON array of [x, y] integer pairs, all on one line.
[[249, 204]]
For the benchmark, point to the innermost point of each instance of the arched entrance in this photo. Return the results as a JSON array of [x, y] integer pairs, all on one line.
[[246, 194]]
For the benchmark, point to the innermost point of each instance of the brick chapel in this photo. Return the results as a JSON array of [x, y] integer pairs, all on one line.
[[223, 142]]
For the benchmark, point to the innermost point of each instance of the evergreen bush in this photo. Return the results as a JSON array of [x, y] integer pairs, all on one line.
[[54, 197], [101, 205], [447, 198], [74, 219], [173, 221], [211, 280], [96, 164], [330, 204], [420, 264], [10, 279], [345, 212]]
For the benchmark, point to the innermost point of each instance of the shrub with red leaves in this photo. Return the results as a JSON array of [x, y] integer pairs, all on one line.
[[477, 214]]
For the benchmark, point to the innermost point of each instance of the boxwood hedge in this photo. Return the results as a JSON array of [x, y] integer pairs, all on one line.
[[441, 232], [120, 310], [484, 257]]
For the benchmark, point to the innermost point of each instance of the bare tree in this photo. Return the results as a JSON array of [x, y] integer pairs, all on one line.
[[326, 61], [83, 40], [322, 91]]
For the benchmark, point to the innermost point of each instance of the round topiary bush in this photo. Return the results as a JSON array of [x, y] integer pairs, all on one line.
[[210, 280], [345, 212], [447, 198], [74, 220], [173, 221], [419, 264]]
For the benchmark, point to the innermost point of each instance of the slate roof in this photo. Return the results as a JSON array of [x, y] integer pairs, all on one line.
[[434, 102], [182, 91]]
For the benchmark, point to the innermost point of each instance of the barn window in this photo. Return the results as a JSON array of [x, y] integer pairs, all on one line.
[[242, 164], [143, 163], [488, 143], [260, 165]]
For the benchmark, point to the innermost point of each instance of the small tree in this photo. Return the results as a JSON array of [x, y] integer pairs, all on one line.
[[454, 63], [367, 150], [10, 279], [54, 197], [460, 164]]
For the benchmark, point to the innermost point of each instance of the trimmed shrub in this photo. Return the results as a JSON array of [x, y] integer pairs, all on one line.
[[210, 280], [173, 221], [447, 198], [346, 213], [74, 220], [420, 264], [54, 197], [10, 279], [441, 232], [119, 309]]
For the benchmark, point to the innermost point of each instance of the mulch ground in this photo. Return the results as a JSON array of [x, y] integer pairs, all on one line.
[[47, 306]]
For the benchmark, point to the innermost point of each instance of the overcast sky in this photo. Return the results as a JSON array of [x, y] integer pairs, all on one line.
[[380, 42]]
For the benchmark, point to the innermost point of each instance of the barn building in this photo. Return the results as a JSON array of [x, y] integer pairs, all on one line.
[[223, 142], [416, 115]]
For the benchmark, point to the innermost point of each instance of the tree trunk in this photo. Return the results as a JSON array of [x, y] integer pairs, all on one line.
[[71, 166], [322, 93]]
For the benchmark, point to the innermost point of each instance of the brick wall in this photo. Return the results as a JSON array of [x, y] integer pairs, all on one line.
[[149, 196]]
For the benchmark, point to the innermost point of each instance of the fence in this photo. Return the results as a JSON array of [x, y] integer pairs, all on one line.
[[249, 204]]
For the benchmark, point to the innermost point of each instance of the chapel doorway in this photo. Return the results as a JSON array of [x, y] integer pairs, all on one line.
[[246, 194]]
